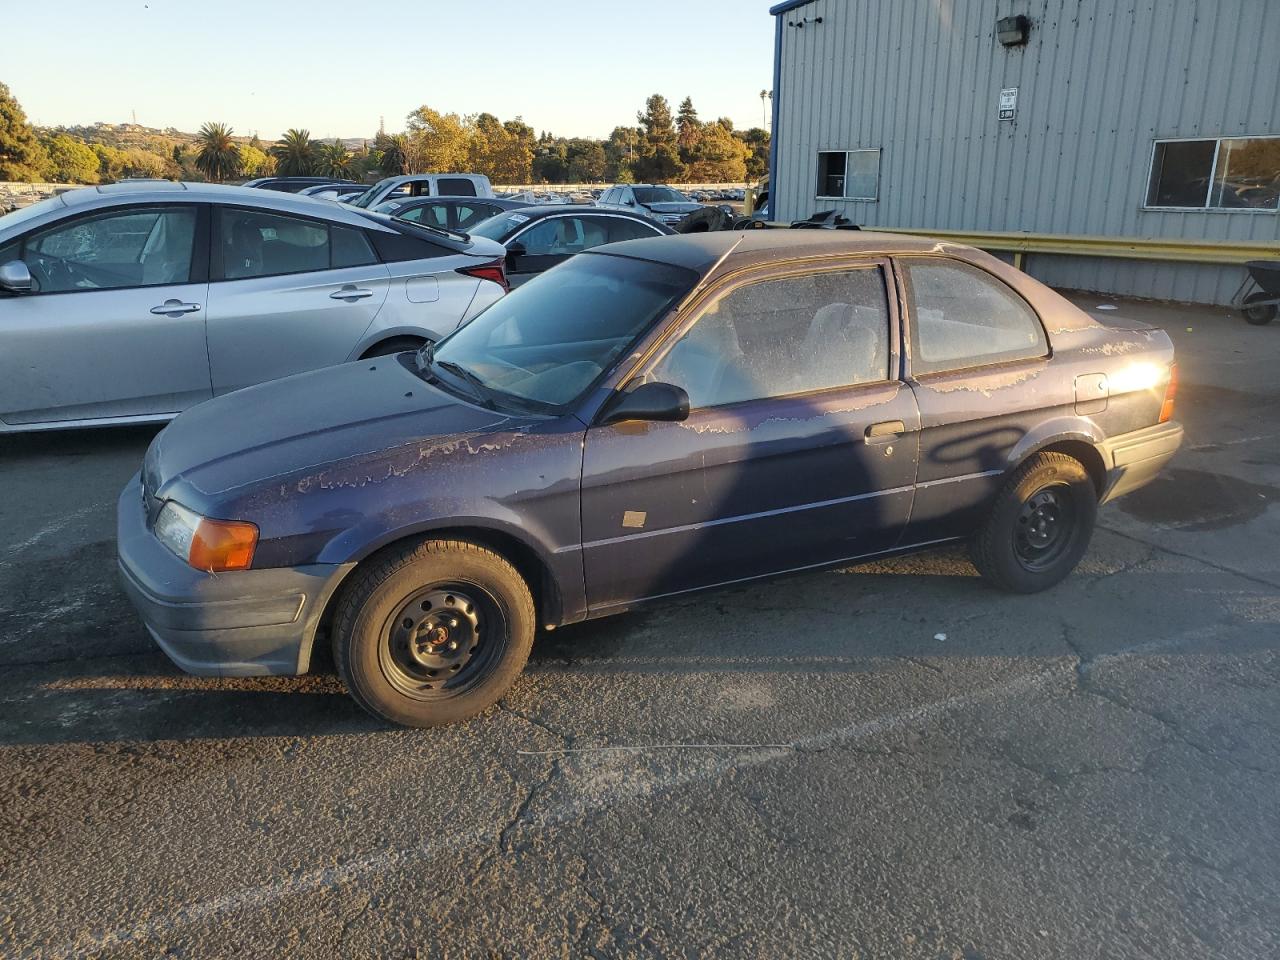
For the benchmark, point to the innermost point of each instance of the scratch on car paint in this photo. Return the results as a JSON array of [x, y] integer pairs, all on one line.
[[360, 472]]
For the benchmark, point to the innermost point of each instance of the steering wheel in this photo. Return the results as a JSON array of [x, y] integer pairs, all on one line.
[[52, 273]]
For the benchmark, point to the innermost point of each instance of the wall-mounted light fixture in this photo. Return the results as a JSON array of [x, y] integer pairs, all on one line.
[[1012, 31], [799, 24]]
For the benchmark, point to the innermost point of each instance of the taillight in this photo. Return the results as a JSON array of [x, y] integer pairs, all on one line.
[[496, 271], [1170, 394]]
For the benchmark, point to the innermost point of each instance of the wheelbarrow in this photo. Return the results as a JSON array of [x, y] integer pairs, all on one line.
[[1259, 294]]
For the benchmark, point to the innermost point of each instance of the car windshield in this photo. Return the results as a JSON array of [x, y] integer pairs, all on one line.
[[544, 344], [499, 227], [660, 195], [367, 197]]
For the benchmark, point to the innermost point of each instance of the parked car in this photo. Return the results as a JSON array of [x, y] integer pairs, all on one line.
[[291, 184], [648, 419], [332, 191], [128, 303], [448, 213], [538, 238], [424, 185], [662, 203]]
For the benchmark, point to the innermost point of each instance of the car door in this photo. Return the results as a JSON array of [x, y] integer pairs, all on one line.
[[977, 353], [116, 325], [800, 447], [289, 294]]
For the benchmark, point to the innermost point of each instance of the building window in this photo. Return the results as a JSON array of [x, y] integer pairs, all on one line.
[[848, 174], [1231, 173]]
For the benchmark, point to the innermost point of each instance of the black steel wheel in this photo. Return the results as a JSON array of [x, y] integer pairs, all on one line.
[[1039, 526], [1044, 529], [1258, 314], [433, 631], [442, 640]]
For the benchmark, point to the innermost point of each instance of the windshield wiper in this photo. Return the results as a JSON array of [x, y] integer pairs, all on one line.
[[484, 394]]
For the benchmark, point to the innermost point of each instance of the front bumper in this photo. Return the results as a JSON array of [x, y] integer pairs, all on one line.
[[1134, 459], [246, 623]]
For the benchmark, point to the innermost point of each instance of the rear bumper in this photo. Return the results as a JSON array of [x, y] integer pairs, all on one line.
[[1134, 459], [247, 623]]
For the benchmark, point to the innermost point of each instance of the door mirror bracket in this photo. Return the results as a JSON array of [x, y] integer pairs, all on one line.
[[655, 401]]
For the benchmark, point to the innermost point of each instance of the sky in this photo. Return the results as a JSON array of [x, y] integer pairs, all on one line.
[[573, 67]]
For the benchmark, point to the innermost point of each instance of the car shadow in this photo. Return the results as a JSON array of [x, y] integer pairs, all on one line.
[[142, 697]]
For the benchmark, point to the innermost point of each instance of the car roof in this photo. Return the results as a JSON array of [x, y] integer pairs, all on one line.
[[143, 191], [701, 252]]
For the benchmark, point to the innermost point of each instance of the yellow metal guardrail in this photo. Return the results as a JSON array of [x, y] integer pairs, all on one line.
[[1130, 248]]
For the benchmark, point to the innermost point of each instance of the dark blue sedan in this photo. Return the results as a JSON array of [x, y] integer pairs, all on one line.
[[647, 419]]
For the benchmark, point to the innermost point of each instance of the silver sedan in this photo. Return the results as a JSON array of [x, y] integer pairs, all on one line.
[[129, 303]]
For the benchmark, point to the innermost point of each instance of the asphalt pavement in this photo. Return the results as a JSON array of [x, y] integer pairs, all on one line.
[[891, 760]]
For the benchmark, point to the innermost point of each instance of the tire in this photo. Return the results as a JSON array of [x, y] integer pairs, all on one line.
[[1259, 315], [398, 621], [393, 346], [1039, 526]]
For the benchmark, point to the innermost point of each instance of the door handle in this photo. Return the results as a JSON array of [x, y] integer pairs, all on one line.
[[174, 308], [351, 292], [885, 430]]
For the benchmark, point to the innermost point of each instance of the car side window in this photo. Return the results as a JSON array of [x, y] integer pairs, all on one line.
[[621, 228], [963, 317], [456, 187], [350, 247], [555, 236], [779, 337], [432, 214], [470, 213], [256, 244], [125, 248]]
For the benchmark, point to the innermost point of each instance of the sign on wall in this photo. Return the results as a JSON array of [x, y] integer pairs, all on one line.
[[1008, 103]]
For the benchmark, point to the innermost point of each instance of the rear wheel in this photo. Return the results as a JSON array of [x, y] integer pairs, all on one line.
[[393, 346], [1039, 526], [433, 632], [1259, 314]]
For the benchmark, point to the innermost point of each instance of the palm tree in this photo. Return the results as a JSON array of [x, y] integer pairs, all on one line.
[[395, 154], [218, 157], [332, 160], [295, 154]]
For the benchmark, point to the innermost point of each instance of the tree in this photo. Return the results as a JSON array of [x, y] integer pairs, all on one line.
[[719, 157], [619, 151], [218, 157], [395, 153], [254, 162], [438, 142], [295, 154], [21, 155], [656, 121], [333, 160], [660, 157], [689, 129], [71, 160], [757, 141]]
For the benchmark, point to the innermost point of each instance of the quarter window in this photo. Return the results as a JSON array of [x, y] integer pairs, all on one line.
[[1237, 173], [963, 317], [127, 248], [849, 174], [781, 337]]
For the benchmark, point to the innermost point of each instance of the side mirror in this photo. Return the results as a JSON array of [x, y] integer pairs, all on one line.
[[659, 402], [15, 277]]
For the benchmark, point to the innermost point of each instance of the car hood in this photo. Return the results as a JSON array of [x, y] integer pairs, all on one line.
[[675, 206], [275, 429]]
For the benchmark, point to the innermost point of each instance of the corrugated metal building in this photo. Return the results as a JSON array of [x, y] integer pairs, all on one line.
[[1127, 121]]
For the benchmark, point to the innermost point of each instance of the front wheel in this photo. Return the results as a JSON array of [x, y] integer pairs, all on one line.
[[1259, 314], [433, 632], [1039, 526]]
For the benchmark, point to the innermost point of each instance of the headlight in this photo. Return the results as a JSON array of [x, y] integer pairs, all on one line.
[[213, 545]]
